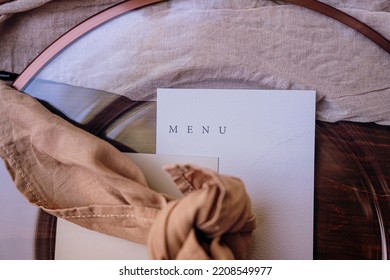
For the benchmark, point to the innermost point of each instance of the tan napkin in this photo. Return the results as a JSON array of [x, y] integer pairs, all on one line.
[[79, 177]]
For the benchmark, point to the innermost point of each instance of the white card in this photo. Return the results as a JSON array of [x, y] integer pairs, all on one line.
[[77, 243], [265, 137]]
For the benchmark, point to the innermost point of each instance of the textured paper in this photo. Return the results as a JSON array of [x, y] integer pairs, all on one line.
[[77, 243], [264, 137]]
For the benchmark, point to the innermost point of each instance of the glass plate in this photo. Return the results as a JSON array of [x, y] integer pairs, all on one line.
[[351, 180]]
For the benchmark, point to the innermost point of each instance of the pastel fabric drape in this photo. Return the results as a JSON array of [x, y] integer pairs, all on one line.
[[7, 8], [76, 176]]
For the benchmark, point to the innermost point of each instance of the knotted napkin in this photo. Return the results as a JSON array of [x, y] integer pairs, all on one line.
[[76, 176]]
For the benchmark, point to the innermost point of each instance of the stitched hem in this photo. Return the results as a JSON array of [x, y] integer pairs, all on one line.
[[107, 216]]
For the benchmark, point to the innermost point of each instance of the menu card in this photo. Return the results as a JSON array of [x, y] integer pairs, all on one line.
[[265, 137]]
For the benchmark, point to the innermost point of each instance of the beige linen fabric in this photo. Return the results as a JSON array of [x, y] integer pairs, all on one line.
[[76, 176], [11, 7], [17, 6], [27, 32]]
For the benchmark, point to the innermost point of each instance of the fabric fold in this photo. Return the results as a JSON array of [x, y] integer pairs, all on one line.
[[215, 215], [76, 176], [7, 8], [17, 6]]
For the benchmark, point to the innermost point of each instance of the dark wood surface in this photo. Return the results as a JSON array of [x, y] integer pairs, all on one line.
[[352, 196], [45, 236]]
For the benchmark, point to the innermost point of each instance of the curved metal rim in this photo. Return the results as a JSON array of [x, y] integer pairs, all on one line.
[[71, 36], [129, 5]]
